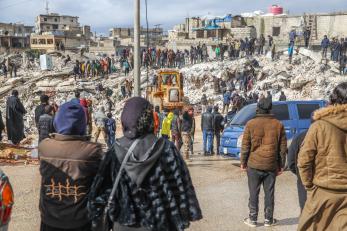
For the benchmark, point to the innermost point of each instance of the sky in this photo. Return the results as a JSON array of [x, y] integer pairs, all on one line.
[[105, 14]]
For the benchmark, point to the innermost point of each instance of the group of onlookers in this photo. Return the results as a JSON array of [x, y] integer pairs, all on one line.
[[338, 51], [316, 156]]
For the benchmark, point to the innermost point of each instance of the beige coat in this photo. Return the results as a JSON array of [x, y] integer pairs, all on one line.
[[322, 159]]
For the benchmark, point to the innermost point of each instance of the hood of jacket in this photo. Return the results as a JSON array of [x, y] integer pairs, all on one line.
[[170, 116], [334, 114], [144, 156]]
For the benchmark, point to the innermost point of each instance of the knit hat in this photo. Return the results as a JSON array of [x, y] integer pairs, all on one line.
[[70, 119], [137, 118], [264, 106]]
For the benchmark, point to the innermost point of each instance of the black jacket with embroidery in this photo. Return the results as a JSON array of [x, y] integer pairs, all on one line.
[[155, 193], [68, 165]]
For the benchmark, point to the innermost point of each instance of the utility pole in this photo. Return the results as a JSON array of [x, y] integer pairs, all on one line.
[[137, 72]]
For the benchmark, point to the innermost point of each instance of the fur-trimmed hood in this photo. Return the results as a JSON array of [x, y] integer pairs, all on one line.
[[334, 114]]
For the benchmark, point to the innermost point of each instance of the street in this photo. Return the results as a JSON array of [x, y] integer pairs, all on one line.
[[221, 189]]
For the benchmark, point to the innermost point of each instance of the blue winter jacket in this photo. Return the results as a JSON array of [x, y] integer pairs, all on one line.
[[325, 43], [226, 98]]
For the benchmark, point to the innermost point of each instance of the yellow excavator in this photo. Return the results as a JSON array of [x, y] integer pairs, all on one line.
[[167, 90]]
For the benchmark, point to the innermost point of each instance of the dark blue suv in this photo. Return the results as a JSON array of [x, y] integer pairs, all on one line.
[[294, 115]]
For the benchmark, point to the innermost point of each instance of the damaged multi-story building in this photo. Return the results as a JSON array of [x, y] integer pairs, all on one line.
[[57, 32], [14, 36]]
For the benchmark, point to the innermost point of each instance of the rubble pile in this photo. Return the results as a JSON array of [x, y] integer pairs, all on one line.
[[306, 78], [58, 83]]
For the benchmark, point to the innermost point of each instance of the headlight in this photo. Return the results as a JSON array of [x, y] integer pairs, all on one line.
[[239, 141]]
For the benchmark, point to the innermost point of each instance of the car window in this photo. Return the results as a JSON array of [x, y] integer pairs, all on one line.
[[305, 110], [280, 111], [244, 115]]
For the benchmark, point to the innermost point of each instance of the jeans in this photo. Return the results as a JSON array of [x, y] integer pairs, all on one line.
[[324, 52], [256, 178], [111, 139], [225, 108], [208, 141], [217, 136]]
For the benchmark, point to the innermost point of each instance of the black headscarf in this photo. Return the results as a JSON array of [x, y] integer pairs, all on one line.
[[137, 118]]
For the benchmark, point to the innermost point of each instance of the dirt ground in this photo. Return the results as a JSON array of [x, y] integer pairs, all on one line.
[[221, 189]]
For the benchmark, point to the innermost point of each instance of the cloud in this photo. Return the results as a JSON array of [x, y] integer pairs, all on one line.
[[104, 14]]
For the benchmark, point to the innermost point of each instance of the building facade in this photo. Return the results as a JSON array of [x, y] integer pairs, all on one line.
[[56, 22], [14, 36]]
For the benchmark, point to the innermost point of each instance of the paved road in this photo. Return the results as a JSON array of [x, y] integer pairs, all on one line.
[[221, 188]]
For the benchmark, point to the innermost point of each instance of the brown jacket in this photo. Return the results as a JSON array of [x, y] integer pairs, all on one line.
[[264, 144], [68, 165], [323, 156]]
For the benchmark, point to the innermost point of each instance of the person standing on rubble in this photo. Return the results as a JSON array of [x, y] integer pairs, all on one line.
[[207, 129], [100, 120], [4, 69], [68, 165], [307, 35], [76, 70], [263, 156], [2, 126], [323, 166], [45, 125], [14, 118], [325, 45], [226, 101], [40, 110], [204, 103], [261, 44], [290, 52]]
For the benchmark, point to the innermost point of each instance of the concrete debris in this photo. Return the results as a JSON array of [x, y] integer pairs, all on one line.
[[304, 79]]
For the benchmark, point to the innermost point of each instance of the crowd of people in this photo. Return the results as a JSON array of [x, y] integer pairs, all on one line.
[[338, 51], [95, 68], [73, 162], [149, 155]]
